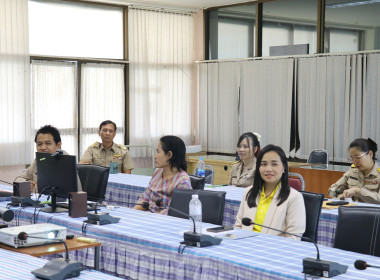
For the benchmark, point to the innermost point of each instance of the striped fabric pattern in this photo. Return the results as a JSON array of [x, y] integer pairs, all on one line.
[[162, 189], [16, 266], [144, 245]]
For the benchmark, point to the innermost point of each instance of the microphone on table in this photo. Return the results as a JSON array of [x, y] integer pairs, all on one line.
[[57, 268], [192, 238], [315, 267], [362, 265]]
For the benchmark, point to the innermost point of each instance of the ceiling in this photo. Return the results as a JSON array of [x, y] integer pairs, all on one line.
[[191, 4]]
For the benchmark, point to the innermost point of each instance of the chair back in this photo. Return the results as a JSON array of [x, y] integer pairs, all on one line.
[[318, 156], [197, 182], [313, 205], [94, 179], [209, 174], [296, 183], [212, 204], [357, 230]]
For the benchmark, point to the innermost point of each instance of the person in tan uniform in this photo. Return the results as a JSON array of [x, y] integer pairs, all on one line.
[[48, 140], [362, 181], [248, 148], [106, 152]]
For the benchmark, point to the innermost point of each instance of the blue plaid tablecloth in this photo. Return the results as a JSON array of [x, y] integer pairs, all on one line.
[[125, 189], [16, 266], [144, 245]]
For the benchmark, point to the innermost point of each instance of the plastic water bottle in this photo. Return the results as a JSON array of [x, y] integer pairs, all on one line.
[[201, 167], [195, 211]]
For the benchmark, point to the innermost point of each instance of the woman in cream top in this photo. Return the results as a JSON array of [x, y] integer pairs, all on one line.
[[242, 172], [270, 201]]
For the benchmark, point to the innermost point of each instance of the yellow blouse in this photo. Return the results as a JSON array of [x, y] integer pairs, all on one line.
[[262, 208]]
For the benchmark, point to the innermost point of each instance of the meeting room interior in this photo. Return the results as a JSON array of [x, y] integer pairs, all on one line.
[[264, 112]]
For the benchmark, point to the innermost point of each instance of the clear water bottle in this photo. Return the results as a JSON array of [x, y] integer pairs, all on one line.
[[201, 167], [195, 211]]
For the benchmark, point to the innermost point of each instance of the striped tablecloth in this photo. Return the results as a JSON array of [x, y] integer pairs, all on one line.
[[125, 189], [16, 266], [144, 245]]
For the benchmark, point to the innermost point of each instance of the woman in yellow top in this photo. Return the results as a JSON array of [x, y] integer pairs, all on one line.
[[271, 201], [248, 148], [362, 181]]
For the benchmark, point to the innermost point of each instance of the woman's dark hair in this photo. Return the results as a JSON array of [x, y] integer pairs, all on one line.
[[107, 122], [255, 141], [258, 182], [178, 149], [365, 145], [49, 129]]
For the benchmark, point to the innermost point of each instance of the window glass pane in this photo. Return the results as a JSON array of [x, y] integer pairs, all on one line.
[[102, 98], [232, 32], [233, 39], [72, 29], [54, 100], [352, 26], [289, 22]]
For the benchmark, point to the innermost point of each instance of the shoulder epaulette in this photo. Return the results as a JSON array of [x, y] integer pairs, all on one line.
[[378, 169], [121, 146], [95, 144]]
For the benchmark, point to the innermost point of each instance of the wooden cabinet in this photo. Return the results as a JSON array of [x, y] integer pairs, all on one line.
[[221, 165], [318, 179]]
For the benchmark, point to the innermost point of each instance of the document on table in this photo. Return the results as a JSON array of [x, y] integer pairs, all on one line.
[[231, 234]]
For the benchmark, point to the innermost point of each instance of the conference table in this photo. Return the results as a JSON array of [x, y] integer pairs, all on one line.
[[144, 245], [125, 189], [17, 266]]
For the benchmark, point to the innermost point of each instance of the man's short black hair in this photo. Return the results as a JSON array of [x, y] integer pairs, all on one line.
[[107, 122], [49, 129]]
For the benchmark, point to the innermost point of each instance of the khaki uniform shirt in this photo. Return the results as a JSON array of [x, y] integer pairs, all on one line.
[[354, 178], [243, 178], [98, 155]]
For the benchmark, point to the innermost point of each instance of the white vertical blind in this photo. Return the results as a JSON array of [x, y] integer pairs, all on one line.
[[54, 100], [102, 98], [223, 129], [371, 98], [267, 91], [14, 83], [161, 75]]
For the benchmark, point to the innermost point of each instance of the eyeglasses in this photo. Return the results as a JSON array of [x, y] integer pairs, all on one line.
[[356, 158]]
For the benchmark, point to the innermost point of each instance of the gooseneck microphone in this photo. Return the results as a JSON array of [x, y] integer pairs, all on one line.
[[362, 265], [160, 204], [57, 268], [316, 267], [192, 238], [248, 222]]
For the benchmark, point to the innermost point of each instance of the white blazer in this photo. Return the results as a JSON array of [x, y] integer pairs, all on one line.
[[290, 216]]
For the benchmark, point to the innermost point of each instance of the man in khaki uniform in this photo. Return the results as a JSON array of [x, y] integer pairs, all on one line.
[[365, 188], [48, 140], [108, 152]]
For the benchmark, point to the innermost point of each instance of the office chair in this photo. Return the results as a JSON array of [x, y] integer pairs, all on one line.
[[94, 179], [209, 174], [313, 205], [357, 230], [318, 156], [212, 204], [296, 183], [197, 182]]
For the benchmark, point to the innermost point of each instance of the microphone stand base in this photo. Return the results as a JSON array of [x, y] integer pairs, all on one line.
[[58, 269], [101, 219], [200, 240], [322, 268]]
